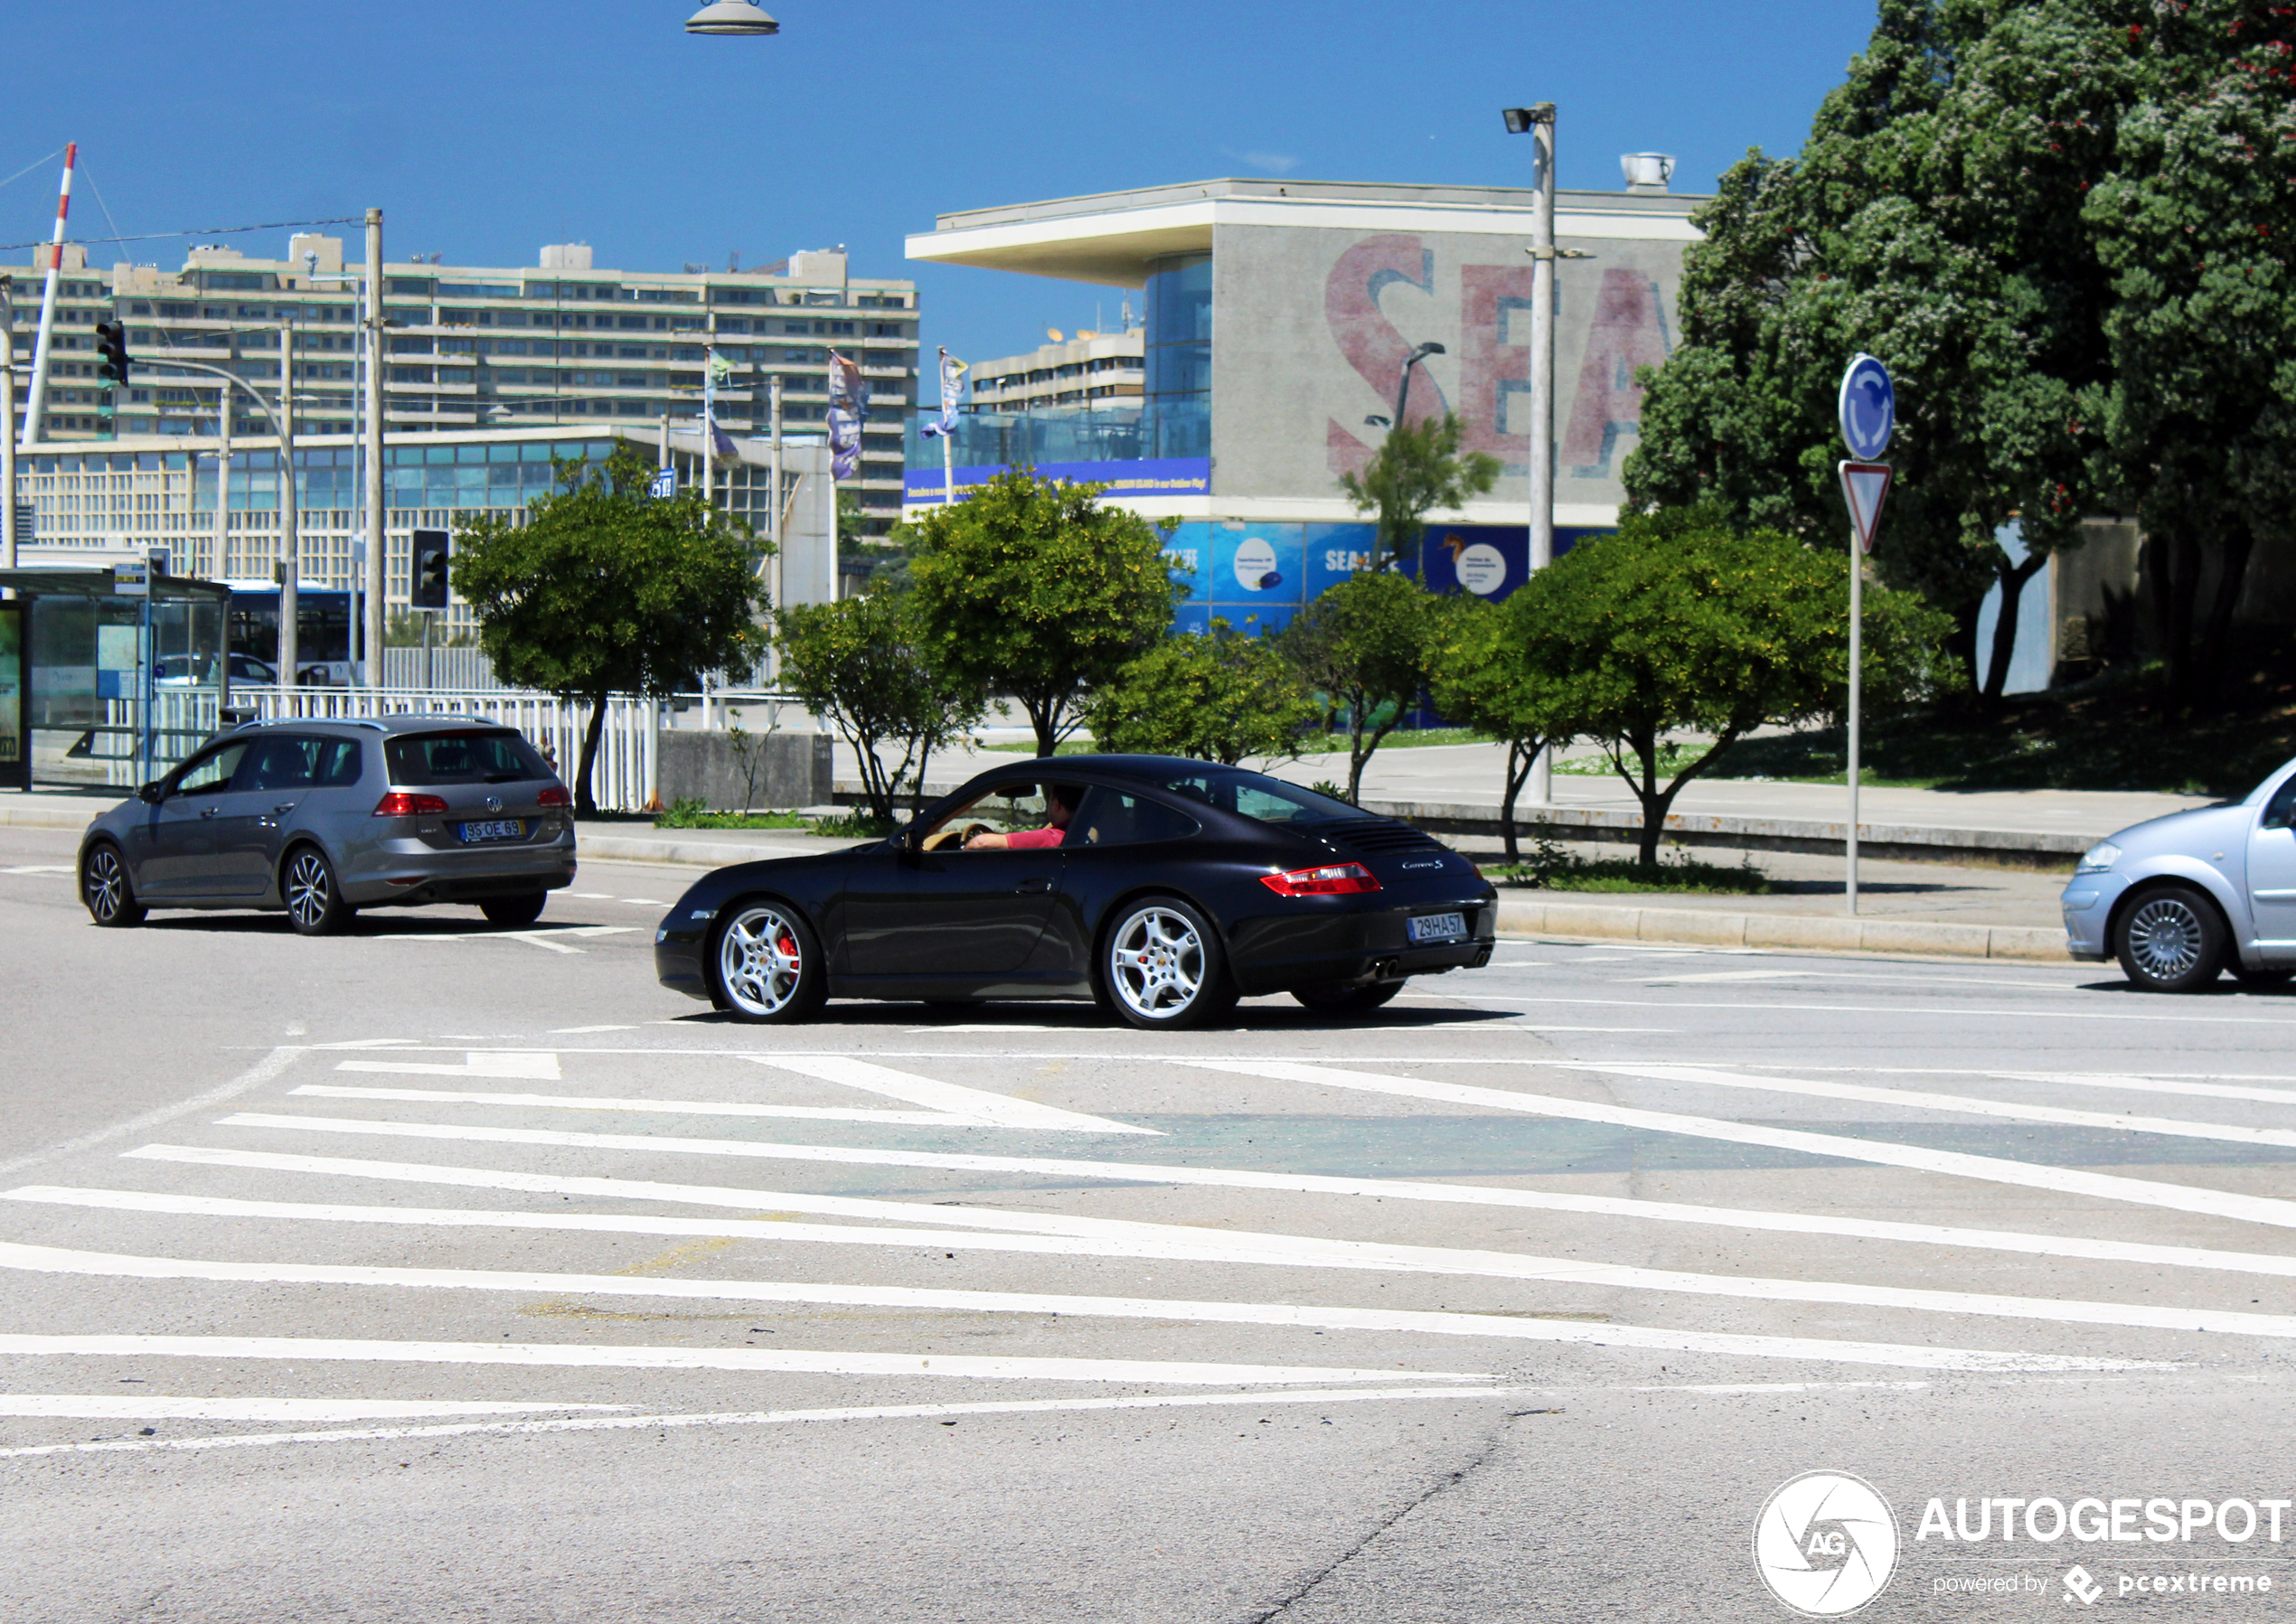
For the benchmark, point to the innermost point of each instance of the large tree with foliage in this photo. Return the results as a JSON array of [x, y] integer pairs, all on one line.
[[857, 664], [1220, 698], [1417, 470], [605, 590], [1935, 219], [1366, 643], [1677, 623], [1481, 676], [1032, 588], [2195, 226]]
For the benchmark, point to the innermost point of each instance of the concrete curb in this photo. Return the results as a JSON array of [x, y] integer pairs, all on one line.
[[699, 854], [1698, 927], [46, 817]]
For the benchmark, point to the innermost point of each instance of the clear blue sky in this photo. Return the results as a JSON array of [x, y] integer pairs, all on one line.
[[485, 128]]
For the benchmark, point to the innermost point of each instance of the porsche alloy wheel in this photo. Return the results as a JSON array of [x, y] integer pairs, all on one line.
[[768, 968], [1162, 966]]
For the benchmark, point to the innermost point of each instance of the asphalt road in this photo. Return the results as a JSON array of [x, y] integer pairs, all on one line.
[[438, 1273]]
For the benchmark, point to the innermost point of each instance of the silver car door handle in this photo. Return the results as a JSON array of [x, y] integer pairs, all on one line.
[[209, 812], [285, 806], [1033, 885]]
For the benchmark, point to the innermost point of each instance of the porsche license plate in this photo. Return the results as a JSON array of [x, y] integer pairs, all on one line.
[[511, 829], [1439, 927]]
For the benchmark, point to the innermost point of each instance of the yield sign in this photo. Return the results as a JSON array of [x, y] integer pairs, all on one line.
[[1865, 486]]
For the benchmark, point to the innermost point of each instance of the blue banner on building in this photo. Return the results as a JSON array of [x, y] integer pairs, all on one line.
[[1168, 476]]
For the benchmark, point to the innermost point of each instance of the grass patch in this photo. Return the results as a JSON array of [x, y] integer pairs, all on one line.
[[1552, 868], [692, 815], [855, 825]]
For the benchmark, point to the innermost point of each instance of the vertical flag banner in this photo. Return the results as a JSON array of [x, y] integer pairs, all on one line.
[[953, 372], [718, 370], [848, 411]]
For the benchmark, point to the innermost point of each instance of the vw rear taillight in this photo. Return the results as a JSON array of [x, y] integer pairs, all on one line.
[[398, 803], [1336, 879], [556, 795]]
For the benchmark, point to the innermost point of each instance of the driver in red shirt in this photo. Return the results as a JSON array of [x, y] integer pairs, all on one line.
[[1060, 805]]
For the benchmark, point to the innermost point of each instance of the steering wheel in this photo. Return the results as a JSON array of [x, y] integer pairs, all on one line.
[[943, 837]]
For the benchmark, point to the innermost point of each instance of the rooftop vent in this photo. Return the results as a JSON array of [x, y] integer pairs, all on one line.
[[1647, 171]]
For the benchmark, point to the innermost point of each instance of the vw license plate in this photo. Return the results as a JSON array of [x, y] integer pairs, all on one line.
[[511, 829], [1439, 927]]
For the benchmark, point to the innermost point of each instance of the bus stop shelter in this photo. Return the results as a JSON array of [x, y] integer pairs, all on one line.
[[108, 677]]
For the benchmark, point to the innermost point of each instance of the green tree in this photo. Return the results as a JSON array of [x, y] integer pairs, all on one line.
[[1366, 644], [1220, 698], [1032, 588], [857, 664], [604, 590], [1676, 624], [2195, 226], [1418, 470], [1935, 218], [1482, 677]]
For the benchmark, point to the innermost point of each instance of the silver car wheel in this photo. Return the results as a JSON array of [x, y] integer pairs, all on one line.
[[105, 885], [2166, 938], [1156, 963], [761, 960], [309, 889]]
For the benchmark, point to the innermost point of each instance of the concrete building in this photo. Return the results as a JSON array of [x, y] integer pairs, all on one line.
[[1090, 369], [1278, 315], [562, 343]]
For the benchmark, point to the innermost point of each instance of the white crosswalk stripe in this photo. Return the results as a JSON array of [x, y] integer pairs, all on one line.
[[268, 1257]]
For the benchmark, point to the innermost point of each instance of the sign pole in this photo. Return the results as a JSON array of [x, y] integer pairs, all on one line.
[[1868, 409], [1857, 665]]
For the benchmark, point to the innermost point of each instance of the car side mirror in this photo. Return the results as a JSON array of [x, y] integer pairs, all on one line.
[[151, 793]]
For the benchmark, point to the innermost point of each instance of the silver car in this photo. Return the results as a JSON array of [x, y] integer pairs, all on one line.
[[325, 817], [2180, 898]]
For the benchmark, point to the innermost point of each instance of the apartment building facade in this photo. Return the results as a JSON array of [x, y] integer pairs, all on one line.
[[561, 345], [1090, 369]]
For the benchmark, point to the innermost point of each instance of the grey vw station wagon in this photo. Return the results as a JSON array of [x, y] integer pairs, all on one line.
[[2183, 898], [325, 817]]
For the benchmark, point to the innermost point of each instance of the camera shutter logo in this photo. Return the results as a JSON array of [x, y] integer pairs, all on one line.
[[1826, 1543]]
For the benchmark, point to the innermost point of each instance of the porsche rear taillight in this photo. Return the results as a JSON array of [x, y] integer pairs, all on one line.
[[398, 803], [1334, 879]]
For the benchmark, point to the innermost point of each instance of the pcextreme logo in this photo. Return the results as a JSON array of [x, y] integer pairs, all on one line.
[[1826, 1543]]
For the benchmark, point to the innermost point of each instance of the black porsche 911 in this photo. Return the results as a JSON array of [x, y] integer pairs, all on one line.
[[1164, 889]]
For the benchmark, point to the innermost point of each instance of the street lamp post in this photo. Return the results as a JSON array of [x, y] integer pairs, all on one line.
[[1537, 121], [1403, 388]]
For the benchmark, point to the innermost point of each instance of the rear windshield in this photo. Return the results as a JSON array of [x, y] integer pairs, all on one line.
[[495, 756], [1256, 796]]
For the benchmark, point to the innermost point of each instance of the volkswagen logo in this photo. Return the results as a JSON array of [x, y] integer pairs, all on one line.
[[1826, 1543], [493, 804]]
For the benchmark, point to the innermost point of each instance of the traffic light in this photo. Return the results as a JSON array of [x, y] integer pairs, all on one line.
[[429, 587], [111, 340]]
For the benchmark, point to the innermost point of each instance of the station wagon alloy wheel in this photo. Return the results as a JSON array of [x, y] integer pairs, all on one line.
[[767, 966], [103, 887], [314, 907]]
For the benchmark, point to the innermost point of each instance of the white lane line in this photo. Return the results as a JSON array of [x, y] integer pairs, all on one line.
[[61, 1259], [576, 1031], [263, 1071], [542, 937], [556, 1102], [2205, 1090], [73, 1407], [1174, 1242], [1995, 1170], [533, 1065], [1740, 1006], [1965, 1104], [589, 895], [750, 1418], [2253, 1209], [1003, 1110], [1722, 975], [1744, 1220], [39, 869], [999, 1025], [642, 902], [576, 1356]]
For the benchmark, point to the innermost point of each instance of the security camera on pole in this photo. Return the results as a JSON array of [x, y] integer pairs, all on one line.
[[1869, 411]]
